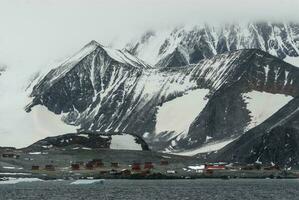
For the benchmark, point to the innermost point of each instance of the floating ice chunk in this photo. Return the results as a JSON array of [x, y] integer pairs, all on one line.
[[79, 182]]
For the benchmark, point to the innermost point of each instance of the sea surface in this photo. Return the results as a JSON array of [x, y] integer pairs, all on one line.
[[205, 189]]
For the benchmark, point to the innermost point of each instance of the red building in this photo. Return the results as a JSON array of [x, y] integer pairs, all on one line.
[[75, 166], [136, 167], [148, 165], [214, 166]]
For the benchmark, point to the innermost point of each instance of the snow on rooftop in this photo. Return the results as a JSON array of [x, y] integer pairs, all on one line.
[[197, 167]]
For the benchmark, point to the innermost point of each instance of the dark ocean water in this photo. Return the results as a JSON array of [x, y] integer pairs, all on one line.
[[205, 189]]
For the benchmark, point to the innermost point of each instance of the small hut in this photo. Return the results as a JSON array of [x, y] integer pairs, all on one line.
[[35, 167]]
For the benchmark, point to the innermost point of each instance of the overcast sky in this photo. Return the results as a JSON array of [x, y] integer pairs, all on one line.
[[35, 34]]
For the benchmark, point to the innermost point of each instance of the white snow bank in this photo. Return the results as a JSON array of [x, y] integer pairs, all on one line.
[[45, 123], [84, 135], [19, 180], [4, 167], [86, 148], [11, 167], [292, 60], [262, 105], [209, 147], [177, 114], [35, 153], [14, 173], [80, 182], [125, 141]]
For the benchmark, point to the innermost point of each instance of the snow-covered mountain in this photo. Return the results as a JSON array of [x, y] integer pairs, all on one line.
[[172, 108], [189, 44]]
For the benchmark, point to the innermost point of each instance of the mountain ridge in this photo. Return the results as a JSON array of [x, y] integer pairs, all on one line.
[[113, 97], [204, 41]]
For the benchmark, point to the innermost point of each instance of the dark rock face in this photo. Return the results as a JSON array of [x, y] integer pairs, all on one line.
[[200, 42], [279, 146], [274, 141], [2, 69], [85, 140]]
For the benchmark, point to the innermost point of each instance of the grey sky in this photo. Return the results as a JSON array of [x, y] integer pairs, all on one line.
[[35, 34]]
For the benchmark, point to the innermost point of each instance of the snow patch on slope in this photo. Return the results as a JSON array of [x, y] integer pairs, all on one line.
[[292, 60], [125, 141], [178, 114], [44, 123], [209, 147], [262, 105]]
